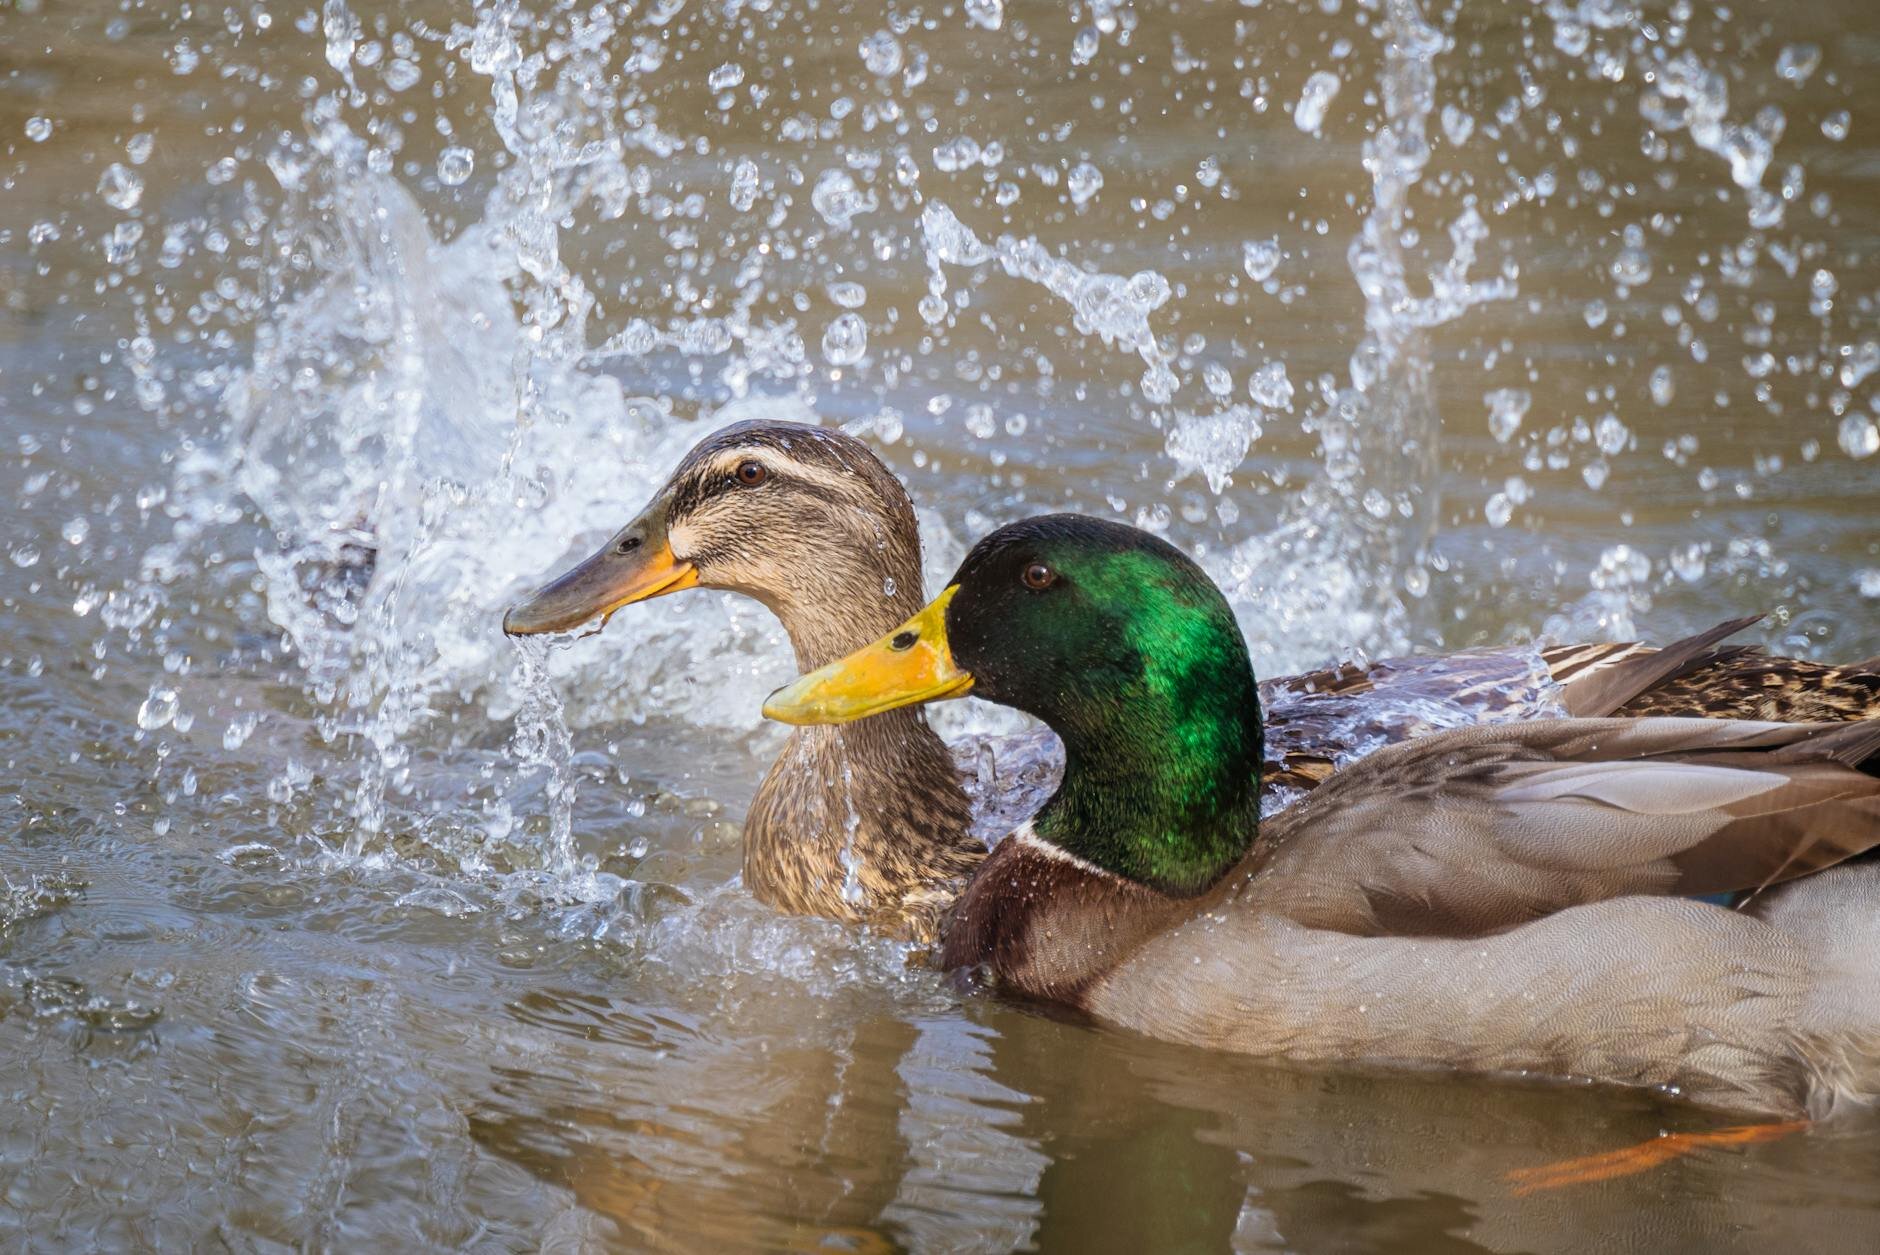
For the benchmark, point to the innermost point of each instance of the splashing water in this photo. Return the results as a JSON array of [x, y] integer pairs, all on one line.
[[333, 331], [849, 858], [429, 414], [542, 743]]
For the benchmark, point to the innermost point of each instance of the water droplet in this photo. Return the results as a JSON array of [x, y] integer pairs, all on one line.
[[1269, 386], [1498, 510], [1610, 434], [888, 586], [1457, 125], [1506, 408], [1260, 258], [38, 129], [838, 199], [240, 729], [744, 183], [881, 54], [956, 154], [1862, 360], [1084, 182], [1662, 387], [845, 340], [158, 709], [120, 188], [1309, 113], [401, 75], [1214, 444], [1632, 267], [1859, 437], [1797, 61], [454, 165], [122, 242], [980, 422], [989, 14], [76, 530], [725, 77], [1835, 125]]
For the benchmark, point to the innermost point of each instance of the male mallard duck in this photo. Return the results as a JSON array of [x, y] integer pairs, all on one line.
[[1512, 898], [873, 823]]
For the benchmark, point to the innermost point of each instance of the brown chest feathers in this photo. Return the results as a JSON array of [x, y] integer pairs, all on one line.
[[1039, 923], [865, 824]]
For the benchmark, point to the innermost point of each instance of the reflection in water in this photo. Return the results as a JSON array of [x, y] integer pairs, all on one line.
[[894, 1136]]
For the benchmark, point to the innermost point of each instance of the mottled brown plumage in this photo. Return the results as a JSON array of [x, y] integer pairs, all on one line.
[[862, 824], [1710, 682]]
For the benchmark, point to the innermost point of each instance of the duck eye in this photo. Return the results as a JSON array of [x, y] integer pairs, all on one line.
[[752, 473], [1038, 575]]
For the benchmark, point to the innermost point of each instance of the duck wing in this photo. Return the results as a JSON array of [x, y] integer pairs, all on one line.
[[1322, 720], [1478, 830]]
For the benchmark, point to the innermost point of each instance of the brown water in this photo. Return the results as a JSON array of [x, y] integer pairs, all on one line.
[[323, 924]]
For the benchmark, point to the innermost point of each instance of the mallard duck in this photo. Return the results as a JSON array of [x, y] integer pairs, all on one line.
[[863, 824], [1514, 898], [874, 824]]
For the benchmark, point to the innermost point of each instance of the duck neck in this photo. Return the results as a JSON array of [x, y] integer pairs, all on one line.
[[851, 603], [1162, 779], [874, 810]]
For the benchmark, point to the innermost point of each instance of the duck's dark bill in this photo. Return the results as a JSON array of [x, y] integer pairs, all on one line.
[[909, 665], [633, 567]]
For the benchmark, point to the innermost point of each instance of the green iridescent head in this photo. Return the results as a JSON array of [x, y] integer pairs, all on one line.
[[1120, 643]]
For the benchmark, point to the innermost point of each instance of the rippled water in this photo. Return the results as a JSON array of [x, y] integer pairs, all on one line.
[[328, 918]]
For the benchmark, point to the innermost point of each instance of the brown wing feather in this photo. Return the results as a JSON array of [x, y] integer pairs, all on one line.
[[1318, 718], [1605, 689], [1758, 686], [1478, 830]]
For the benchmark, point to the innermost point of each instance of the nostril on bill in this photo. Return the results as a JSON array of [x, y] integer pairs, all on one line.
[[903, 640]]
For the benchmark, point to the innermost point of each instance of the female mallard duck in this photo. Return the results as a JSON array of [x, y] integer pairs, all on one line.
[[1512, 898], [874, 824]]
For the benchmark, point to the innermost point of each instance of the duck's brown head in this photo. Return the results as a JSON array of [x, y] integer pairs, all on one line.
[[805, 519]]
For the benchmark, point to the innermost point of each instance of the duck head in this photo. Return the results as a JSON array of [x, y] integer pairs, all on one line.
[[804, 519], [1120, 643]]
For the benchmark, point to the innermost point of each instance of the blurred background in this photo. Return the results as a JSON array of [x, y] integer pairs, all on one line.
[[328, 917]]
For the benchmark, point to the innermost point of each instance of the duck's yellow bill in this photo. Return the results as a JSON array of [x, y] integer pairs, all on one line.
[[601, 585], [910, 665]]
